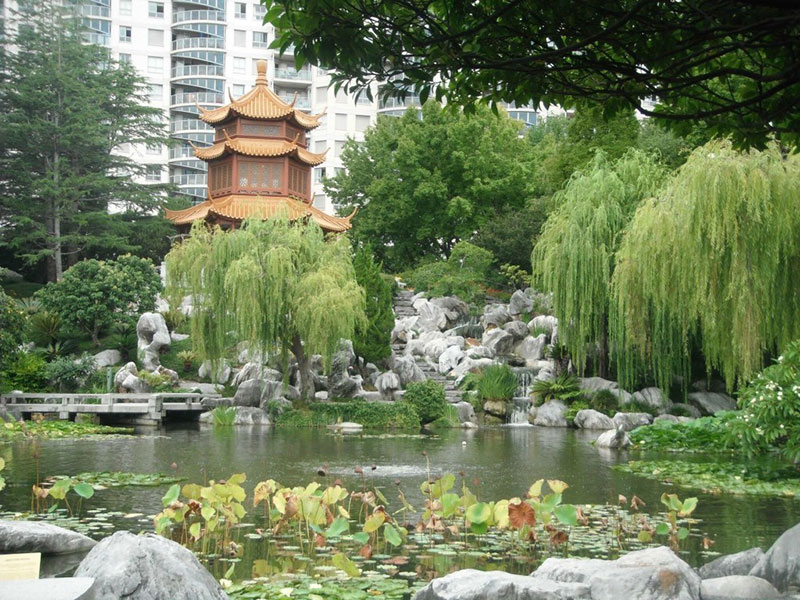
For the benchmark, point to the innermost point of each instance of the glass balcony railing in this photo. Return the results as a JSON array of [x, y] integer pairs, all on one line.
[[302, 102], [93, 10], [198, 71], [399, 102], [182, 16], [188, 125], [96, 38], [293, 74], [199, 97], [198, 42], [188, 179]]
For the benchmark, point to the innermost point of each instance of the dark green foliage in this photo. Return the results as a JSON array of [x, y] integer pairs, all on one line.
[[497, 382], [680, 411], [21, 289], [464, 274], [707, 434], [427, 398], [371, 415], [172, 360], [605, 402], [564, 387], [575, 408], [65, 374], [634, 406], [12, 327], [44, 328], [373, 341], [26, 372]]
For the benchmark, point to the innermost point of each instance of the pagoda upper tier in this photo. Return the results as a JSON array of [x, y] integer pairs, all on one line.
[[259, 165]]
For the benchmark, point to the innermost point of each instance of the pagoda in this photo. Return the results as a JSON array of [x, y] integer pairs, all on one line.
[[259, 164]]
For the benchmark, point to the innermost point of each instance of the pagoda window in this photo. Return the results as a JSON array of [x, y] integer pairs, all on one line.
[[260, 129], [258, 176], [298, 180], [291, 132], [221, 178]]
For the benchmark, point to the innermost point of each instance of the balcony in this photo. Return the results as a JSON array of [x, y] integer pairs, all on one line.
[[198, 71], [199, 43], [189, 125], [92, 10], [199, 97], [184, 16], [218, 4], [398, 102], [293, 74], [197, 179], [302, 101]]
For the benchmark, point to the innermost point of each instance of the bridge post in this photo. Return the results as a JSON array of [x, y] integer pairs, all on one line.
[[155, 408], [64, 413]]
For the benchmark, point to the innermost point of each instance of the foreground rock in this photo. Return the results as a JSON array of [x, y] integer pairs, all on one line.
[[63, 588], [654, 574], [630, 421], [737, 586], [127, 379], [153, 339], [615, 439], [710, 403], [592, 419], [781, 563], [147, 567], [30, 536], [740, 563], [552, 413], [470, 584]]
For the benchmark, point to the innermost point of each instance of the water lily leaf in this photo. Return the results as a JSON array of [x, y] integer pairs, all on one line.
[[521, 514], [84, 490], [557, 485], [339, 526], [550, 501], [688, 507], [194, 530], [683, 533], [340, 561], [207, 512], [662, 529], [237, 479], [343, 512], [60, 489], [478, 528], [480, 512], [447, 482], [260, 568], [536, 489], [450, 504], [172, 494], [645, 537], [380, 496], [566, 514], [391, 534], [374, 522], [191, 491], [361, 537], [501, 518], [279, 501], [310, 489]]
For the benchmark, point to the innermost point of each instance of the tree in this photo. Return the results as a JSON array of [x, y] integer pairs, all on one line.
[[713, 260], [12, 327], [272, 284], [93, 294], [575, 254], [68, 107], [373, 342], [732, 64], [426, 180], [511, 234]]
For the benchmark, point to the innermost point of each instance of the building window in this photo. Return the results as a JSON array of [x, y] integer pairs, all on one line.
[[319, 201], [155, 37], [319, 174], [155, 10], [124, 58], [240, 10], [260, 39], [321, 95], [125, 34], [338, 147], [341, 122], [341, 97], [339, 171], [362, 122], [153, 173], [154, 148], [239, 38], [319, 146], [239, 66], [259, 10], [156, 93], [155, 65], [125, 8], [362, 98], [238, 90]]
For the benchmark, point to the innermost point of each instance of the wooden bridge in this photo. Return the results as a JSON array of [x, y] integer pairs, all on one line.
[[129, 409]]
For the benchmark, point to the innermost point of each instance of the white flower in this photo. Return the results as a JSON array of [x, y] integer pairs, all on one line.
[[287, 591], [314, 586], [225, 583]]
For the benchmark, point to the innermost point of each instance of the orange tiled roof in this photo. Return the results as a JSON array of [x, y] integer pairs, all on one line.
[[261, 103], [251, 147], [238, 207]]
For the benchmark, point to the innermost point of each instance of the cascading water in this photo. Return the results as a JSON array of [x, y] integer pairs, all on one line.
[[522, 399]]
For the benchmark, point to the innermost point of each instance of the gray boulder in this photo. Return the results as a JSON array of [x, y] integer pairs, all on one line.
[[666, 418], [496, 408], [479, 352], [470, 584], [387, 384], [407, 370], [692, 411], [147, 567], [217, 373], [454, 308], [543, 323], [431, 317], [780, 565], [469, 365], [740, 563], [62, 588], [9, 275], [178, 337], [495, 315], [276, 406], [630, 421], [450, 358], [250, 393], [591, 385], [153, 339], [516, 328], [340, 382], [654, 398], [251, 370], [532, 349], [33, 536], [592, 419], [615, 439], [743, 587], [652, 574], [404, 329], [127, 379], [498, 341], [520, 303], [710, 403], [106, 358], [552, 413], [466, 413]]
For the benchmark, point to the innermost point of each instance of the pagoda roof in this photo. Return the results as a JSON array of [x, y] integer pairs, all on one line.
[[261, 103], [261, 148], [238, 207]]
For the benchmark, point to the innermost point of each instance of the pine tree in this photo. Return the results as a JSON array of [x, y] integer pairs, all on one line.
[[373, 343]]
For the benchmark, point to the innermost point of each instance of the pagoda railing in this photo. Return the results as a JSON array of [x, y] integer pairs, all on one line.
[[205, 43], [183, 16], [198, 71], [199, 97]]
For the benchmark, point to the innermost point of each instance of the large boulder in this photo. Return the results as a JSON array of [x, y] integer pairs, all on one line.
[[615, 439], [654, 574], [454, 308], [710, 403], [251, 370], [469, 365], [217, 371], [532, 349], [127, 379], [388, 384], [106, 358], [552, 413], [630, 421], [496, 408], [340, 383], [732, 587], [404, 329], [654, 398], [147, 567], [431, 317], [740, 563], [495, 315], [592, 419], [546, 324], [466, 412], [435, 347], [476, 352], [153, 339], [407, 370], [249, 393], [516, 328], [686, 409], [780, 565], [592, 385], [520, 303], [498, 341], [33, 536], [470, 584], [450, 358]]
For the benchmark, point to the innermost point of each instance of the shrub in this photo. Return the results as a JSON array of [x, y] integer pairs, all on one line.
[[68, 375], [371, 415], [564, 387], [464, 274], [427, 398], [25, 372], [373, 342], [640, 407], [515, 277], [680, 411], [156, 381], [174, 319], [223, 415], [605, 402], [576, 407], [44, 328], [12, 326], [497, 382], [770, 403]]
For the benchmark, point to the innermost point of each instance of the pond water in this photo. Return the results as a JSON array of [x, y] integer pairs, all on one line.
[[497, 463]]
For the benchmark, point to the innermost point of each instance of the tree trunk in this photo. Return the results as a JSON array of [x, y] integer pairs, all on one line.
[[96, 336], [57, 256], [304, 368], [602, 358]]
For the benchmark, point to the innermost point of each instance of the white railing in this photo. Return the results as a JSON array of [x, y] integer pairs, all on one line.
[[303, 75], [300, 103], [92, 10], [198, 71], [188, 179], [199, 97], [197, 15], [96, 38], [188, 125], [198, 42]]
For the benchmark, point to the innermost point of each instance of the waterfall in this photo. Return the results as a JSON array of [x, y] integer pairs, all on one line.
[[522, 398]]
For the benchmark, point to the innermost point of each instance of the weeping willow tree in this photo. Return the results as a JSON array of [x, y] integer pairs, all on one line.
[[713, 262], [278, 286], [575, 253]]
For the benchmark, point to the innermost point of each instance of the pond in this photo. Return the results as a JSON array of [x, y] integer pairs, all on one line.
[[496, 463]]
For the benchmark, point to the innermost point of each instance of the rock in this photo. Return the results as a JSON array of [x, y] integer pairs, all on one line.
[[199, 387], [470, 584], [479, 352], [147, 567], [592, 419], [171, 375], [498, 341], [469, 365], [387, 384], [497, 408], [532, 349], [690, 410], [466, 413], [347, 427], [516, 328], [652, 574], [450, 358], [630, 421], [403, 329], [454, 308], [654, 398], [710, 403], [613, 438], [33, 536], [592, 385], [107, 358], [543, 324], [153, 339], [321, 396], [250, 393], [9, 275], [780, 565], [245, 415], [127, 379], [340, 383], [251, 370], [520, 303], [552, 413], [431, 317], [63, 588], [178, 337], [372, 373], [435, 347], [495, 315], [740, 563], [219, 374], [276, 406], [737, 586], [407, 370]]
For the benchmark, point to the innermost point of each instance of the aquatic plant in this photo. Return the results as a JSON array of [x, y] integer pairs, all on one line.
[[13, 429], [372, 415], [223, 415], [497, 382], [706, 434], [564, 387], [427, 398]]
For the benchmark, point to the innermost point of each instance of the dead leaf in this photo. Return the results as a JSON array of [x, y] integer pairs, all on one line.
[[521, 514]]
